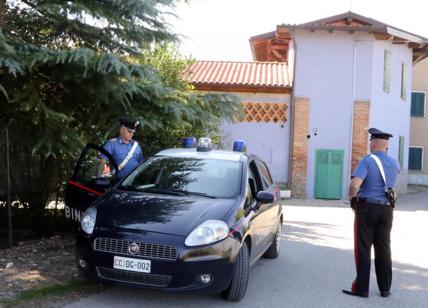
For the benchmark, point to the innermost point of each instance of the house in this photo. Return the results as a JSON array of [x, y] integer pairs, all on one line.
[[418, 157], [265, 92], [343, 74]]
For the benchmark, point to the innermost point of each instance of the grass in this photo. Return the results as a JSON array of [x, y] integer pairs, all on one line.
[[283, 186], [51, 290]]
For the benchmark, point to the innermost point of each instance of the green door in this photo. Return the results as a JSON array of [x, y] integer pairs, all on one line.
[[328, 174]]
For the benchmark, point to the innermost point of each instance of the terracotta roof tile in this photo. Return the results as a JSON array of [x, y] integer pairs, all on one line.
[[261, 74]]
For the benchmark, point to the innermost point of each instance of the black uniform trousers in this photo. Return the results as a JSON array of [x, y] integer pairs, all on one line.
[[372, 226]]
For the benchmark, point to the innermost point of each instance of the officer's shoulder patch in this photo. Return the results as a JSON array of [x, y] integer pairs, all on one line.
[[113, 140]]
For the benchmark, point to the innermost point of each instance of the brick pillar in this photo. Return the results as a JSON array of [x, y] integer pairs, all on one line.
[[300, 147], [360, 137]]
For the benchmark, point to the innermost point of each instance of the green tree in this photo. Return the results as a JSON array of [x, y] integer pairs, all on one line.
[[170, 65], [68, 69]]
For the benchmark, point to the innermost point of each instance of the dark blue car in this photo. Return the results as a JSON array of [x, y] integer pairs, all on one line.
[[185, 219]]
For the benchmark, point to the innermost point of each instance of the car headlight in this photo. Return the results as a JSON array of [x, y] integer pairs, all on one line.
[[208, 232], [88, 220]]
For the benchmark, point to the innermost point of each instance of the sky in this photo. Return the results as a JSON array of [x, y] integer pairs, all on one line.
[[220, 29]]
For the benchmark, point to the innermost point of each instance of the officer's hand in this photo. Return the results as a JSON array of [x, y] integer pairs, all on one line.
[[354, 202]]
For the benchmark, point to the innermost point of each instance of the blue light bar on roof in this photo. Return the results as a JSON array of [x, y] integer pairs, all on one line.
[[239, 146], [204, 144], [189, 142]]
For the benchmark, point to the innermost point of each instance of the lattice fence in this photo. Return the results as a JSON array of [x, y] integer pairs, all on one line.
[[265, 112]]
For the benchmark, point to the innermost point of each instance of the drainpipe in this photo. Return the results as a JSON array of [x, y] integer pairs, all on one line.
[[352, 113], [291, 110]]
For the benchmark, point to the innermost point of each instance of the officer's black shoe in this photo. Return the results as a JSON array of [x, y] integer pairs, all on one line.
[[385, 293], [360, 294]]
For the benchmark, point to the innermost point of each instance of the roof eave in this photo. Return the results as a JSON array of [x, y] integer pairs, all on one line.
[[348, 14], [337, 28], [263, 36], [253, 50], [420, 54], [223, 87], [405, 35], [376, 26], [394, 32]]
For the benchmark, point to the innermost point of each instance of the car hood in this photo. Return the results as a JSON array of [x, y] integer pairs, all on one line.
[[177, 215]]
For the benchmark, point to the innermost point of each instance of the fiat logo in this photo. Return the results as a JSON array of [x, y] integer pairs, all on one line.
[[133, 248]]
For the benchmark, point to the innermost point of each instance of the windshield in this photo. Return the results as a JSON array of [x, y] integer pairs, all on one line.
[[213, 178]]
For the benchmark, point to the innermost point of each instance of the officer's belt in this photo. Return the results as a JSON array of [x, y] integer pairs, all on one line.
[[374, 201]]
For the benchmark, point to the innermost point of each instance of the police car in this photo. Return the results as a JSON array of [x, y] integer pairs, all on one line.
[[186, 219]]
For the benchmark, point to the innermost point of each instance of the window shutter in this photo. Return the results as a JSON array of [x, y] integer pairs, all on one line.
[[415, 158], [417, 108], [401, 151], [386, 71], [403, 81], [413, 104], [421, 104]]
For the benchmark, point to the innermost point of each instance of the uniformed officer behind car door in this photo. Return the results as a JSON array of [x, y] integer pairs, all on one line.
[[373, 208], [125, 151]]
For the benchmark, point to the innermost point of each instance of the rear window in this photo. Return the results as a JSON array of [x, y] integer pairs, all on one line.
[[215, 177]]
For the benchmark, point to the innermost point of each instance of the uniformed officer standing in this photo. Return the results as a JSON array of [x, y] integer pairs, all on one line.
[[125, 151], [373, 215]]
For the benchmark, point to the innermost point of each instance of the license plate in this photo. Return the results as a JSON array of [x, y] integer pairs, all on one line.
[[131, 264]]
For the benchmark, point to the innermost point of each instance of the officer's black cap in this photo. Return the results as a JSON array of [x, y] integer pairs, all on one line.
[[129, 123], [378, 134]]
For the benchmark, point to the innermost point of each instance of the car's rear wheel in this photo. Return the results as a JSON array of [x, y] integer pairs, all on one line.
[[274, 248], [238, 286]]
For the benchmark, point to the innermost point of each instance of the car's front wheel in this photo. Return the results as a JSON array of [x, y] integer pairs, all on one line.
[[238, 286], [273, 250]]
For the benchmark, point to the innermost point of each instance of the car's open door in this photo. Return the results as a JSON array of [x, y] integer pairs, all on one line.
[[91, 179]]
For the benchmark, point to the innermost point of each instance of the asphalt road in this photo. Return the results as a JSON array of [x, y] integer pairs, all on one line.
[[315, 263]]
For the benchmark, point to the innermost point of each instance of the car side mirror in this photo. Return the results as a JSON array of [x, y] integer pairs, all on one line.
[[264, 197]]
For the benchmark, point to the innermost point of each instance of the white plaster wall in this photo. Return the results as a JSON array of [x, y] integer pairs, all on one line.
[[325, 74], [363, 69], [270, 141], [418, 179], [389, 112]]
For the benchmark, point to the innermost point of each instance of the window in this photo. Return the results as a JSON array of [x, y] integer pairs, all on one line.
[[416, 154], [386, 71], [257, 182], [215, 177], [90, 168], [403, 80], [401, 151], [264, 174], [418, 104], [251, 189]]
